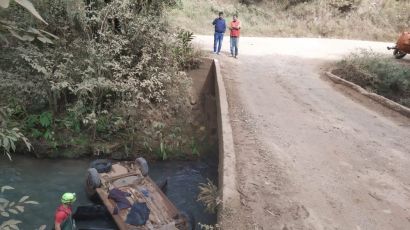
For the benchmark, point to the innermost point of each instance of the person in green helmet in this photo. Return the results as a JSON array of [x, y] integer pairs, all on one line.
[[63, 217]]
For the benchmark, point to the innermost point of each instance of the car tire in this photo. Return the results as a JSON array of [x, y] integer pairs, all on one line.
[[93, 178], [143, 165], [101, 165], [398, 54], [92, 182]]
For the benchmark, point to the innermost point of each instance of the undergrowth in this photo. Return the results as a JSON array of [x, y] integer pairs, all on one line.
[[116, 71], [377, 73]]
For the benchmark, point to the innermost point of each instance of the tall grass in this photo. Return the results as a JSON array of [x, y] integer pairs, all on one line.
[[364, 19], [377, 73], [209, 196]]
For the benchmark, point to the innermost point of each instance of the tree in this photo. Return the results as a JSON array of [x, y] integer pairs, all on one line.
[[30, 34]]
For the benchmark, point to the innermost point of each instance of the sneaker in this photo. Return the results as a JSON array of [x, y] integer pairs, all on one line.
[[214, 52], [236, 57], [217, 53]]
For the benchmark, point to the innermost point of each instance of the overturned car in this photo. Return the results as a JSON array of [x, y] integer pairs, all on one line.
[[132, 199]]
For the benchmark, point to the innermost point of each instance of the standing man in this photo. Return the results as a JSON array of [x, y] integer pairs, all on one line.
[[220, 28], [63, 219], [235, 28]]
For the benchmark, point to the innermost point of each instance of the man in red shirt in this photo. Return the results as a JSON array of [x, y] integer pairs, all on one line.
[[235, 27], [63, 217]]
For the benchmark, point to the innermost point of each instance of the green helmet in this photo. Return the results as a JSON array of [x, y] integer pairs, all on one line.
[[68, 198]]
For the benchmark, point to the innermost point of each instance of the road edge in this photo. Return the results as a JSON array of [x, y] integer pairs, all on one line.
[[230, 200], [375, 97]]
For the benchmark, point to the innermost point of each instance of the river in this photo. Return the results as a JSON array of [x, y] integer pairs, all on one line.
[[44, 180]]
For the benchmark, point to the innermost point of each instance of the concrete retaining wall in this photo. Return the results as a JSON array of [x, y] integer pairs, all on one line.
[[227, 158], [375, 97], [209, 96]]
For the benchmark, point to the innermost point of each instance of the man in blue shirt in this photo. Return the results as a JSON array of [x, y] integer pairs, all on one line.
[[220, 28]]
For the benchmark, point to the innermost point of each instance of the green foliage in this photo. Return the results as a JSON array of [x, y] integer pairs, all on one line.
[[167, 141], [155, 135], [10, 135], [9, 208], [41, 127], [375, 72], [108, 124], [184, 52], [16, 109], [116, 69], [194, 147], [72, 122], [8, 138], [27, 35], [102, 124], [24, 3], [45, 119]]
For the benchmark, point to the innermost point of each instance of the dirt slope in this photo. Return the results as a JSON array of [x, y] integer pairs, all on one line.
[[310, 154]]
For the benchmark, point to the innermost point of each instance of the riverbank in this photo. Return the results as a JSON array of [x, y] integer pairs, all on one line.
[[52, 137]]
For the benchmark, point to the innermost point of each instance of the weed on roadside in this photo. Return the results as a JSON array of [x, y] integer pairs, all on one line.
[[377, 73]]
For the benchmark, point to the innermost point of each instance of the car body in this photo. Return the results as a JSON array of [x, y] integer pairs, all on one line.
[[132, 177]]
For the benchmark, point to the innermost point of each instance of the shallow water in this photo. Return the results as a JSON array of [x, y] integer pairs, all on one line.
[[44, 180]]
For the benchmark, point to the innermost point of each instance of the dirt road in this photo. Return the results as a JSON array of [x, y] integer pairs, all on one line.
[[311, 154]]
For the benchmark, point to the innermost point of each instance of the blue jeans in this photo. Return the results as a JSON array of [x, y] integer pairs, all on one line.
[[218, 38], [234, 46]]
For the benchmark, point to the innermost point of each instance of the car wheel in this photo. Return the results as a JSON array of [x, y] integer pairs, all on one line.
[[143, 165], [101, 165], [92, 182], [398, 54]]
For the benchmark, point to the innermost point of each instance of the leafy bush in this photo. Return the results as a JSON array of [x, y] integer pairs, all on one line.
[[30, 34], [9, 135], [382, 75], [41, 127], [184, 52], [116, 67]]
